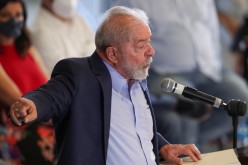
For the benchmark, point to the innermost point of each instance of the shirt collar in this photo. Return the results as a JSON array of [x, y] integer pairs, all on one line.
[[118, 81]]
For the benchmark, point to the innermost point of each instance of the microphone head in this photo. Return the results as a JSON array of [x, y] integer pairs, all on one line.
[[236, 108], [168, 85]]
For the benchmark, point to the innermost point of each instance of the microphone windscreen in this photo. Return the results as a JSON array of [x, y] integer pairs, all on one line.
[[167, 85]]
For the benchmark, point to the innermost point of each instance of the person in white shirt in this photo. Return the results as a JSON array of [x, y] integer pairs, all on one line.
[[59, 32]]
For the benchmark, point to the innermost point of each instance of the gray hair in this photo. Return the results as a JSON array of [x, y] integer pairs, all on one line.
[[116, 26]]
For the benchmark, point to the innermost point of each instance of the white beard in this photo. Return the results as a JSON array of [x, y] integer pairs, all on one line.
[[136, 72]]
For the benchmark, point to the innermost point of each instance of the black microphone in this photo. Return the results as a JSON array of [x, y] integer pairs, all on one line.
[[170, 86]]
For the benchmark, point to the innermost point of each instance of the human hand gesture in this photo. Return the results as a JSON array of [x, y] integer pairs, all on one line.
[[23, 111], [171, 152]]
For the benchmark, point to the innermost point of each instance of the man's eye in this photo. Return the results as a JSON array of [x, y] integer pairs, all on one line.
[[141, 46]]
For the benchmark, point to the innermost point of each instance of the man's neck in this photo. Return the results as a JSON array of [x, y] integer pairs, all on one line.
[[104, 58]]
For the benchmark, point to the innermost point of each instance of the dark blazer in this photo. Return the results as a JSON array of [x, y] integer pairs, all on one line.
[[78, 99]]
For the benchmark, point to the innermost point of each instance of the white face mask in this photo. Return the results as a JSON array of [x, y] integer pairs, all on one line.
[[64, 8]]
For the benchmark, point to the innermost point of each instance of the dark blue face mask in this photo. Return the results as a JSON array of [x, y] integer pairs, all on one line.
[[11, 28]]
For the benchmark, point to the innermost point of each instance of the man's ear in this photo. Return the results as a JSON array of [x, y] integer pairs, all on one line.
[[111, 53]]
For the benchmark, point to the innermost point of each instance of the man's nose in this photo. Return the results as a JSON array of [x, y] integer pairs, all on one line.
[[151, 51]]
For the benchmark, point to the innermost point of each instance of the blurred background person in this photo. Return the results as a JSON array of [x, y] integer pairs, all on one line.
[[187, 45], [240, 48], [21, 70], [232, 17], [59, 32], [20, 65]]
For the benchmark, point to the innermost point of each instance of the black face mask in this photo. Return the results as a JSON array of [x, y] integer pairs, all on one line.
[[11, 28]]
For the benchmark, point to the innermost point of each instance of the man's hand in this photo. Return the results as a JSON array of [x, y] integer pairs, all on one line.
[[171, 152], [23, 111]]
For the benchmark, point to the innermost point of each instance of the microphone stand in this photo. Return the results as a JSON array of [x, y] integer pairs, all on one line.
[[235, 108]]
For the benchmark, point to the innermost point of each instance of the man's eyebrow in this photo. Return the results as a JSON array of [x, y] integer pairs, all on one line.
[[142, 40]]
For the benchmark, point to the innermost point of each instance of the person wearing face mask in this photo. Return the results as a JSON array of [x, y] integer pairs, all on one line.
[[21, 70], [59, 32]]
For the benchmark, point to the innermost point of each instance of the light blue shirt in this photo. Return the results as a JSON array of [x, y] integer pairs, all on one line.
[[131, 126], [185, 35]]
